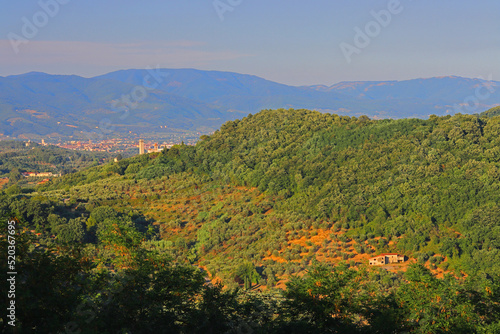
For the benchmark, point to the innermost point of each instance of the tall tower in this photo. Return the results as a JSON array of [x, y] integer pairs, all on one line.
[[156, 147], [141, 146]]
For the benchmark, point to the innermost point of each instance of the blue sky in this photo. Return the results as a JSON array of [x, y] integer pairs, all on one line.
[[292, 42]]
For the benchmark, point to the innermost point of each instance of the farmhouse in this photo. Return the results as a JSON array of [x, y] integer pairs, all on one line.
[[386, 258]]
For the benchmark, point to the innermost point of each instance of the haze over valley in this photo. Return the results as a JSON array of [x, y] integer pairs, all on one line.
[[168, 103]]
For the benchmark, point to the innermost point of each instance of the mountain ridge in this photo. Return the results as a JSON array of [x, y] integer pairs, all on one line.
[[35, 104]]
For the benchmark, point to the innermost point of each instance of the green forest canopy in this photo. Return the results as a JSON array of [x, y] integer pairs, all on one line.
[[425, 188]]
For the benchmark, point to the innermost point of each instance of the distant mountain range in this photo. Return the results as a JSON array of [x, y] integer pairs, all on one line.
[[166, 101]]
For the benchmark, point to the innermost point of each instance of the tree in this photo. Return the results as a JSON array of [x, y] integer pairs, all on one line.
[[100, 214], [14, 189], [14, 175], [71, 232], [48, 283], [247, 273], [430, 305]]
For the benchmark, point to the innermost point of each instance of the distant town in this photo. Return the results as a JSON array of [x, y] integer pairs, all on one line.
[[127, 147]]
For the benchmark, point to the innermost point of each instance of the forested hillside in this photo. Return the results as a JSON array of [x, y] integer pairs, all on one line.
[[426, 185], [291, 197]]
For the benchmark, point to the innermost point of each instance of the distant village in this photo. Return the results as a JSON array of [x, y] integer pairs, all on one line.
[[132, 147], [112, 145], [115, 145]]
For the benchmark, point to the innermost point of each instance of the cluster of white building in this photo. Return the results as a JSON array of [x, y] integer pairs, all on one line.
[[41, 174]]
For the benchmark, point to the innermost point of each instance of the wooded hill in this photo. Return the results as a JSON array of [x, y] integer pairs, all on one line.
[[274, 194], [425, 186]]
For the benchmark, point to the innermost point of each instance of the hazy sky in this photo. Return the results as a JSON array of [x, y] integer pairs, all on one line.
[[293, 42]]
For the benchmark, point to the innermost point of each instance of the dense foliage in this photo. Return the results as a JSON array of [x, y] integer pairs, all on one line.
[[419, 183], [290, 197], [64, 290]]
